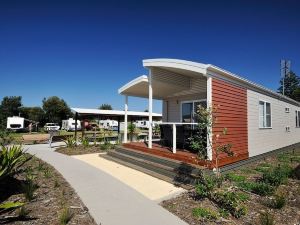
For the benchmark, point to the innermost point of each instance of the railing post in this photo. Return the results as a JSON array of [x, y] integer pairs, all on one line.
[[174, 138]]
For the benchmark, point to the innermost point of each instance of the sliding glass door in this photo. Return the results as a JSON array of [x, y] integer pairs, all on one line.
[[189, 109]]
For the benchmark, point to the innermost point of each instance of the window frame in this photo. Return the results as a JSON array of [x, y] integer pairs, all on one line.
[[193, 108], [297, 118], [264, 114]]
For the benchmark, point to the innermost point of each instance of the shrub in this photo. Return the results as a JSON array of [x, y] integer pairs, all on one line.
[[263, 167], [5, 138], [29, 188], [85, 142], [235, 177], [277, 202], [11, 160], [205, 213], [207, 185], [231, 202], [266, 218], [47, 173], [277, 175], [259, 188], [65, 216], [23, 212], [70, 142]]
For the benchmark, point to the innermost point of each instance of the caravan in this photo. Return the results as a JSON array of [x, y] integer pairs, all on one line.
[[69, 125], [109, 124], [15, 123]]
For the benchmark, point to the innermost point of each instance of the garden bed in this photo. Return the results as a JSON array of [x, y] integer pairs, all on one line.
[[80, 150], [259, 204], [49, 200]]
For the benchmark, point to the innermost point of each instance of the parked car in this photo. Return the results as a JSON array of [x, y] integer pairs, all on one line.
[[51, 126]]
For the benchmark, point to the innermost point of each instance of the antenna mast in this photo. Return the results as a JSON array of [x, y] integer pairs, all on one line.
[[285, 68]]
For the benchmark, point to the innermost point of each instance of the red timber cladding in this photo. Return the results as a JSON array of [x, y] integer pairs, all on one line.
[[231, 113]]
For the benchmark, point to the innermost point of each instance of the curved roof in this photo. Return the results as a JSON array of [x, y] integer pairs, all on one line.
[[195, 68]]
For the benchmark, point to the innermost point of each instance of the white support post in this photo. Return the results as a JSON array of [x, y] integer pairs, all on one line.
[[150, 111], [209, 129], [174, 138], [125, 119]]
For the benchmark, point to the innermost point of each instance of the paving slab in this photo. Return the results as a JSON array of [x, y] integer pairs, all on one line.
[[110, 201]]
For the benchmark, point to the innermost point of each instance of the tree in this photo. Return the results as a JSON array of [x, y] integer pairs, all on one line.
[[36, 114], [296, 94], [10, 106], [56, 109], [291, 83], [106, 107]]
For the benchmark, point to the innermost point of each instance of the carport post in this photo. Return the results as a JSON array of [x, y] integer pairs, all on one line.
[[125, 119], [150, 111], [76, 118]]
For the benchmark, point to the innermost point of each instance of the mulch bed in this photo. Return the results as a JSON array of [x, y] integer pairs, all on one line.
[[53, 194], [183, 205], [79, 150]]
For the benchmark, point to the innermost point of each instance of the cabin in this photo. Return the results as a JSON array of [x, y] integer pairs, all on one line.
[[258, 120]]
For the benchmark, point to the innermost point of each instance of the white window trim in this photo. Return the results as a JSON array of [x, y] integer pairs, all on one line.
[[265, 116], [297, 115], [189, 101]]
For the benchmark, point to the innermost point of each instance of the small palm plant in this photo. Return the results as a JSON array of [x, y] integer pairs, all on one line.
[[70, 142], [131, 130], [11, 160], [85, 142]]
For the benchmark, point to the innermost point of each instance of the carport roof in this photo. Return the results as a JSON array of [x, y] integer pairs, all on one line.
[[103, 112]]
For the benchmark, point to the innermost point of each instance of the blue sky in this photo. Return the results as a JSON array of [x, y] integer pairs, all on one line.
[[83, 51]]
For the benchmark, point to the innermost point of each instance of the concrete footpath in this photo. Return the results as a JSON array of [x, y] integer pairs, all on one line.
[[110, 202]]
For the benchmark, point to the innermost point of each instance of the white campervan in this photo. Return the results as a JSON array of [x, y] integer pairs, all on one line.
[[109, 124], [15, 123], [69, 125]]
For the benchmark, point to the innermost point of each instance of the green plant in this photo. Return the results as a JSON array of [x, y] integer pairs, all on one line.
[[205, 213], [266, 218], [65, 216], [7, 206], [259, 188], [29, 188], [23, 212], [40, 166], [85, 142], [56, 183], [206, 186], [47, 173], [224, 213], [277, 175], [70, 142], [206, 118], [277, 202], [11, 160], [5, 138], [131, 130], [231, 202], [263, 167], [235, 177]]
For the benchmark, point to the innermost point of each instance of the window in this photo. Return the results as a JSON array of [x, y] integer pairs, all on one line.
[[264, 114], [297, 118], [287, 109], [189, 108]]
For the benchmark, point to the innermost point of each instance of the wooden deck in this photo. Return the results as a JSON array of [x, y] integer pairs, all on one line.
[[166, 152]]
